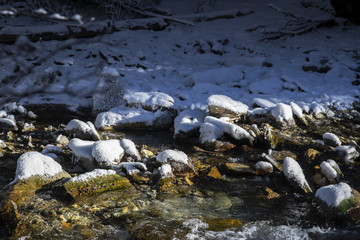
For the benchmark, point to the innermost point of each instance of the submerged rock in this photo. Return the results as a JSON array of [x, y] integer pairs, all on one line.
[[223, 106]]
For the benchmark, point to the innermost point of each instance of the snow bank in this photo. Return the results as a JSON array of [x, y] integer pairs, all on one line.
[[222, 101], [294, 173], [34, 163], [151, 101], [107, 152], [170, 155], [334, 194], [283, 114], [93, 174], [331, 139]]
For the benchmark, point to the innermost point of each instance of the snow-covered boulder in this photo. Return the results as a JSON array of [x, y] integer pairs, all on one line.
[[263, 167], [178, 160], [82, 130], [294, 174], [334, 194], [8, 124], [283, 114], [95, 182], [165, 171], [223, 106], [109, 91], [329, 172], [130, 149], [36, 164], [108, 152], [298, 113], [151, 101], [214, 128], [347, 153], [331, 139], [82, 151], [133, 118], [188, 123]]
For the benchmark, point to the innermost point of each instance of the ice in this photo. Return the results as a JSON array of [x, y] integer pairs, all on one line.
[[93, 174], [130, 149], [170, 155], [334, 194], [34, 163], [227, 103], [294, 172], [149, 100], [107, 152], [283, 114]]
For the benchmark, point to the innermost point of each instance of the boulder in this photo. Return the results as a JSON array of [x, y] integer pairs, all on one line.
[[346, 153], [223, 106], [283, 115], [331, 139], [262, 167], [82, 130], [82, 151], [330, 172], [108, 152]]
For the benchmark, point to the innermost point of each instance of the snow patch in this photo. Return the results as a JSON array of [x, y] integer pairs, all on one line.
[[93, 174]]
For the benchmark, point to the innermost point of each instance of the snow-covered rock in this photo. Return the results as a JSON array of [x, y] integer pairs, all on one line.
[[329, 172], [283, 114], [107, 152], [331, 139], [82, 130], [334, 194], [263, 167], [294, 174], [8, 124], [298, 113], [150, 101], [92, 174], [109, 90], [213, 128], [130, 149], [166, 171], [188, 123], [131, 168], [262, 103], [347, 153], [335, 166], [2, 144], [33, 163], [133, 118], [52, 151], [223, 106], [178, 160], [82, 151]]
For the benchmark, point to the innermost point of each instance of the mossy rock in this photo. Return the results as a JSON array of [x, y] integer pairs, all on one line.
[[96, 185]]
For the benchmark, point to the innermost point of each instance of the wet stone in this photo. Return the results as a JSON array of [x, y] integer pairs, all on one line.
[[238, 169]]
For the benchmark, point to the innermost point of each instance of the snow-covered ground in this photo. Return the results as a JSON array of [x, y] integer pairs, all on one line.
[[190, 63]]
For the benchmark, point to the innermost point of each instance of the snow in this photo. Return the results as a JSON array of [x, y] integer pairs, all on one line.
[[262, 103], [41, 11], [34, 163], [329, 172], [166, 171], [130, 167], [262, 165], [293, 171], [130, 149], [297, 111], [93, 174], [331, 138], [57, 16], [50, 148], [347, 152], [170, 155], [333, 195], [81, 148], [107, 152], [213, 128], [76, 125], [3, 113], [110, 71], [227, 103], [149, 100], [188, 120], [283, 114]]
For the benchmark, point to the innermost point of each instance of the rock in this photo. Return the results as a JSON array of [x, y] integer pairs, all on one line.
[[238, 169], [331, 139], [133, 118], [130, 149], [166, 171], [188, 123], [214, 173], [295, 175], [82, 130], [2, 144], [131, 168], [108, 152], [109, 91], [214, 128], [283, 115], [342, 199], [95, 182], [82, 151], [347, 9], [178, 160], [271, 194], [63, 140], [218, 146], [329, 172], [262, 167], [8, 124], [223, 106], [346, 153], [28, 127], [312, 154], [150, 101], [298, 113]]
